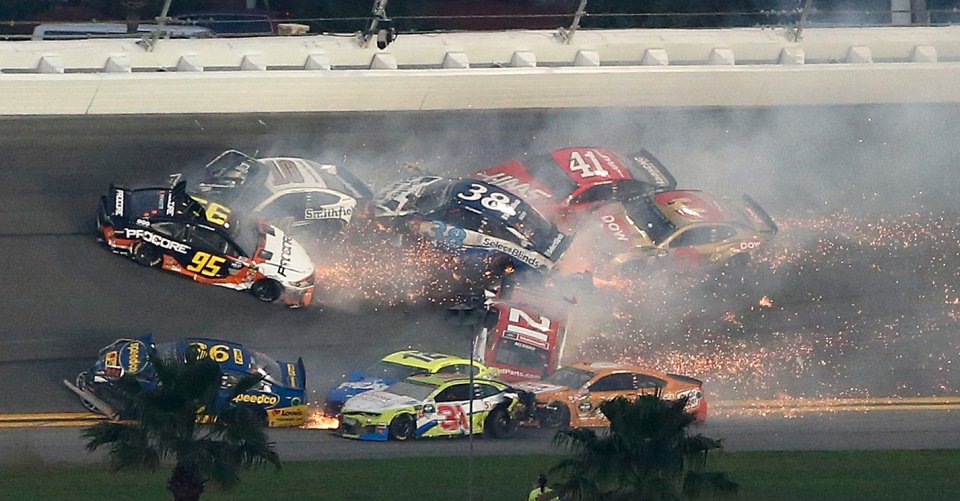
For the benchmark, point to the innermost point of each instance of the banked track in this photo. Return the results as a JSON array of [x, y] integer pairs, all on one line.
[[63, 297]]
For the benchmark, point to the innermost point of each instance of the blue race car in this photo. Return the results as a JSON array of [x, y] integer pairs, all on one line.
[[279, 396], [480, 221]]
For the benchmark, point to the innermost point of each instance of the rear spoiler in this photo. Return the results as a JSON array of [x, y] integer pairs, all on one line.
[[762, 221], [297, 381], [650, 171]]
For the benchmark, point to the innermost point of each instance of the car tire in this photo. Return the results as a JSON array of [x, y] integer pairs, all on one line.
[[147, 255], [403, 427], [556, 415], [266, 290], [500, 424]]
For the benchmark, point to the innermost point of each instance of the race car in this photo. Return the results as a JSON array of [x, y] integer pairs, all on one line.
[[478, 220], [628, 214], [571, 396], [574, 180], [432, 406], [278, 398], [304, 198], [522, 336], [397, 367], [166, 228], [675, 229]]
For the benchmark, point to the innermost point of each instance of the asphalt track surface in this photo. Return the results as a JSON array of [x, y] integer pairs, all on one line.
[[63, 297]]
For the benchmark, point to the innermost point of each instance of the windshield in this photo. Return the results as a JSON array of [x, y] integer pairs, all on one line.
[[415, 390], [645, 216], [535, 228], [434, 196], [514, 354], [392, 371], [570, 377], [267, 367]]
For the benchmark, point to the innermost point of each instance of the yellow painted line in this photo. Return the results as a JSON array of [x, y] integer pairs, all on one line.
[[48, 424], [50, 416]]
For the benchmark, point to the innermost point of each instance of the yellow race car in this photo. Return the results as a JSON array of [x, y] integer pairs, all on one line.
[[432, 406], [397, 367]]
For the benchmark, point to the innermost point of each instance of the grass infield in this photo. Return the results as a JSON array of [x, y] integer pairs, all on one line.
[[819, 476]]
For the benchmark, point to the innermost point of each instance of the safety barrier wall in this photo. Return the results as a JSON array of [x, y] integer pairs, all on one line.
[[483, 70]]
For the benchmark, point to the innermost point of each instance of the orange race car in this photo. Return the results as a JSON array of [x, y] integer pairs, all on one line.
[[571, 396]]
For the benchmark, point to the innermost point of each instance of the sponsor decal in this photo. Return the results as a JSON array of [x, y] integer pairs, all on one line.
[[652, 170], [610, 223], [171, 207], [153, 238], [328, 213], [131, 357], [513, 372], [610, 162], [514, 185], [554, 244], [111, 358], [118, 203], [585, 406], [267, 400], [749, 245], [142, 222], [286, 251], [517, 253]]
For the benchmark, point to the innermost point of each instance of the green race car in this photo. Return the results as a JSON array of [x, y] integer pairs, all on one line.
[[431, 406]]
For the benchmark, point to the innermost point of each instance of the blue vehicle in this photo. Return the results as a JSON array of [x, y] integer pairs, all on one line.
[[480, 221], [279, 395], [397, 367]]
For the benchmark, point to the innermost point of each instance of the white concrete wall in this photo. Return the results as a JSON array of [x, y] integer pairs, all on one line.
[[524, 69]]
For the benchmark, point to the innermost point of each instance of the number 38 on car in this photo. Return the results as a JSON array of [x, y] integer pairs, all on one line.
[[432, 406]]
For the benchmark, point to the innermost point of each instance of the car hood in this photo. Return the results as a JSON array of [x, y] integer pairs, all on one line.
[[286, 260], [539, 387], [378, 401], [611, 226]]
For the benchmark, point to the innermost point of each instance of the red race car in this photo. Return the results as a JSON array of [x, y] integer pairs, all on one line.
[[577, 179], [522, 336]]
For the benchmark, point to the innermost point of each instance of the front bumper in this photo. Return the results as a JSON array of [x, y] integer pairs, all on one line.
[[363, 427], [298, 297]]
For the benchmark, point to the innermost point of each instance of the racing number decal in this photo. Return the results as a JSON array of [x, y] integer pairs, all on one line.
[[526, 333], [451, 236], [206, 264], [454, 418], [497, 201], [219, 353], [588, 167], [215, 213]]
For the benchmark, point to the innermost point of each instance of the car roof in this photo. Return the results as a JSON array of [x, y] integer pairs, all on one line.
[[600, 368], [415, 358], [685, 207], [447, 379]]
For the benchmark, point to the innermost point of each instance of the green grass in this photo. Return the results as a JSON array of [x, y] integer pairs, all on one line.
[[819, 476]]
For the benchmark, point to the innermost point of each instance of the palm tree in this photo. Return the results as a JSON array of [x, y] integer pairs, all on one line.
[[647, 455], [160, 425]]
